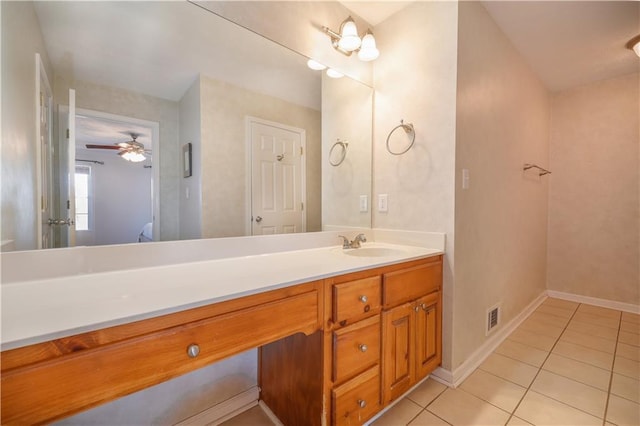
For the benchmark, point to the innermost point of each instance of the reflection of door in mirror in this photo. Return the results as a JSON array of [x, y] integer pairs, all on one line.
[[277, 178], [44, 156]]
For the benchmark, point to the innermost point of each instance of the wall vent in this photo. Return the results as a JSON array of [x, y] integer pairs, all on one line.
[[493, 318]]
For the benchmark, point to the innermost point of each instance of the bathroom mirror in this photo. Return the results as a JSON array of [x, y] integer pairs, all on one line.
[[165, 75]]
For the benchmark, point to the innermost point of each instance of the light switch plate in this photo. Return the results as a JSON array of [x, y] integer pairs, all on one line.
[[383, 203], [364, 203]]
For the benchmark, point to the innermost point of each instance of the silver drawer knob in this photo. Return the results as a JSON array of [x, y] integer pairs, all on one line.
[[417, 308], [363, 347], [424, 306], [363, 299], [362, 403], [193, 350]]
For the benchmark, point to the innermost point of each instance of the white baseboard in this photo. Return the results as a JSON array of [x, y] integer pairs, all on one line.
[[455, 378], [604, 303], [225, 410]]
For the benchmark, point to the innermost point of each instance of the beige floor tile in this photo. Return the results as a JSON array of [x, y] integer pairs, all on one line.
[[428, 419], [593, 330], [596, 320], [545, 329], [626, 387], [517, 421], [252, 417], [538, 409], [548, 319], [509, 369], [628, 351], [630, 327], [570, 392], [426, 392], [623, 412], [559, 303], [521, 352], [583, 354], [493, 389], [627, 367], [578, 371], [629, 317], [400, 414], [589, 341], [461, 408], [629, 338], [551, 310], [535, 340], [597, 310]]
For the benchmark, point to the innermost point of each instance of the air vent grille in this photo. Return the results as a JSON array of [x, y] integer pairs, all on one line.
[[493, 318]]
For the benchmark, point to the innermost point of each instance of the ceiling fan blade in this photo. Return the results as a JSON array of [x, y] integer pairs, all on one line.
[[90, 146]]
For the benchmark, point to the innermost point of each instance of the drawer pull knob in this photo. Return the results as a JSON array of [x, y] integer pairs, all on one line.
[[363, 347], [362, 403], [424, 307], [417, 308], [363, 299], [193, 350]]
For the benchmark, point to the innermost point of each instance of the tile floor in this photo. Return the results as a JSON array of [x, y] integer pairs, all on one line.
[[567, 364]]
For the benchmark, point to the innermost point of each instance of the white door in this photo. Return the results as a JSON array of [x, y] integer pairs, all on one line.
[[45, 156], [277, 178], [71, 172]]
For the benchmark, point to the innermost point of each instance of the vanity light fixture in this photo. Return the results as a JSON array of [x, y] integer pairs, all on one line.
[[348, 41], [634, 44], [636, 48], [315, 65]]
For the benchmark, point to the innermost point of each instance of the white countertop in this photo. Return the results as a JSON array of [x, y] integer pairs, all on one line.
[[40, 310]]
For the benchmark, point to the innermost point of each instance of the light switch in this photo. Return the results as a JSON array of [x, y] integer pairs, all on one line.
[[364, 203], [465, 178], [383, 203]]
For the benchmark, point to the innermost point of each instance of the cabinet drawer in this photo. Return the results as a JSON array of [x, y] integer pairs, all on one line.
[[408, 284], [357, 400], [46, 391], [355, 298], [356, 348]]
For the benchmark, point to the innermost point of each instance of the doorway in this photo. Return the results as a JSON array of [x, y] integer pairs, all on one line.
[[277, 177], [116, 196]]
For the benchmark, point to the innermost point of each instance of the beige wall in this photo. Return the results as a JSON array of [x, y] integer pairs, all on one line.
[[501, 220], [129, 104], [593, 202], [224, 111], [417, 82], [19, 204], [347, 114]]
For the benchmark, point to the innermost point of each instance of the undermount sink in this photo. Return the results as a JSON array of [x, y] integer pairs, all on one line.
[[373, 252]]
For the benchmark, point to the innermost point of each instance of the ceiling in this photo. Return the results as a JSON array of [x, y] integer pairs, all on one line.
[[102, 131], [566, 43]]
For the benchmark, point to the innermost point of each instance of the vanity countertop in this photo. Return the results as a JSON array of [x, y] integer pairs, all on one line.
[[41, 310]]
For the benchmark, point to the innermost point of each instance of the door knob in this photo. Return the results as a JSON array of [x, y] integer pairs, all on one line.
[[258, 219]]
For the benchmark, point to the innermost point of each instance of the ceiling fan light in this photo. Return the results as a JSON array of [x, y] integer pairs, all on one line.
[[133, 156]]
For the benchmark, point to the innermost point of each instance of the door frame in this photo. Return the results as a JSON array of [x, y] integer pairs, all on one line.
[[155, 149], [41, 76], [249, 169]]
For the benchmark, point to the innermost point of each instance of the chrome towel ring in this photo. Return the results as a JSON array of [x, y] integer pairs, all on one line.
[[343, 145], [408, 128]]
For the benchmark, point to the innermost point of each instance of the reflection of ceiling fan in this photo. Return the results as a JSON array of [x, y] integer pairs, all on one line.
[[131, 150]]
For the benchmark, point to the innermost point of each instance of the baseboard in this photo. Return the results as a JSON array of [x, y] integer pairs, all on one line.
[[225, 410], [603, 303], [455, 378], [388, 407]]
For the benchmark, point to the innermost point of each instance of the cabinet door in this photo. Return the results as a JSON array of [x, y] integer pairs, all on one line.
[[428, 350], [397, 361]]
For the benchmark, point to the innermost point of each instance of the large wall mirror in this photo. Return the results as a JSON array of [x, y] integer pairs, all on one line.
[[160, 121]]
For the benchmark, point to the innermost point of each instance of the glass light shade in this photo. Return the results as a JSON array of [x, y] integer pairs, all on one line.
[[134, 157], [636, 48], [315, 65], [368, 50], [334, 74], [349, 39]]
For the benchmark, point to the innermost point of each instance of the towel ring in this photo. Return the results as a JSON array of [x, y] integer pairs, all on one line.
[[344, 146], [408, 128]]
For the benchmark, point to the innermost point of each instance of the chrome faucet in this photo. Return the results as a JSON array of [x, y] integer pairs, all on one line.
[[360, 238]]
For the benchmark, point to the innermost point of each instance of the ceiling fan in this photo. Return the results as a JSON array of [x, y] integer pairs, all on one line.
[[130, 150]]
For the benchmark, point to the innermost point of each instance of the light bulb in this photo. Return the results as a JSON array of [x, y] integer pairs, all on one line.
[[315, 65], [368, 50], [636, 48], [349, 39], [334, 74], [134, 157]]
